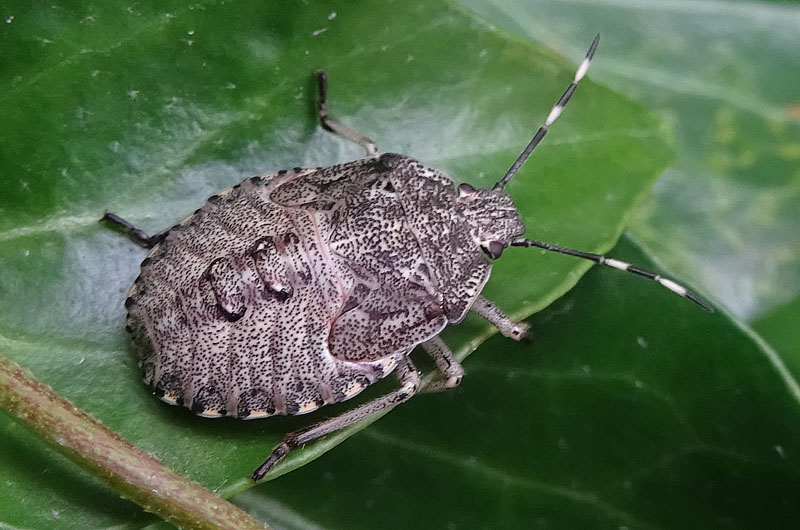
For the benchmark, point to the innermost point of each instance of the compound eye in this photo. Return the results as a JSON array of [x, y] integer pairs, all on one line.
[[465, 190], [494, 249]]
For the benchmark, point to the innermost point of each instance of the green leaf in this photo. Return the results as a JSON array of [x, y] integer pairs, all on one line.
[[779, 328], [630, 409], [726, 216], [147, 109]]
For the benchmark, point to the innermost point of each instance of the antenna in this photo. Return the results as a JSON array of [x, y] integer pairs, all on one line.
[[621, 265], [555, 112]]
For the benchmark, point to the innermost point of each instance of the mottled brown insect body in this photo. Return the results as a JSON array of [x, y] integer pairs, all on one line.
[[300, 288]]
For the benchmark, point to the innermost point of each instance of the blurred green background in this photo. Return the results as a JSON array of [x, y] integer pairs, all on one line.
[[629, 409]]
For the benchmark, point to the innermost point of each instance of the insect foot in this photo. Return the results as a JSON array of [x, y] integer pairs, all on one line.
[[298, 289], [504, 324], [277, 454]]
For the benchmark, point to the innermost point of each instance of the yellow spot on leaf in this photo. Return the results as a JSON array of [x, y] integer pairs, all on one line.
[[747, 158], [790, 151], [794, 111], [724, 128], [719, 161], [776, 127]]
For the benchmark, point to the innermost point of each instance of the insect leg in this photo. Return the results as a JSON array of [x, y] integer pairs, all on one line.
[[337, 128], [504, 324], [447, 364], [134, 234], [409, 379]]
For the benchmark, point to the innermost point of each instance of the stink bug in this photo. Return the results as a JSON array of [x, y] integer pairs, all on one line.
[[300, 288]]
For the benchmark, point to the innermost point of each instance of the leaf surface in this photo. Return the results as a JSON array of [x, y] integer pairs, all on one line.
[[147, 109], [630, 409], [726, 215]]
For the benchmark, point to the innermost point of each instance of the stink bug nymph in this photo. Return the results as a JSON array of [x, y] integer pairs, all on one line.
[[297, 289]]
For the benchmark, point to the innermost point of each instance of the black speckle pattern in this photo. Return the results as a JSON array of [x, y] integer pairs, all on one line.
[[297, 289]]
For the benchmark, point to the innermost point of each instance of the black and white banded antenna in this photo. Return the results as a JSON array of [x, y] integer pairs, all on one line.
[[555, 112], [676, 288]]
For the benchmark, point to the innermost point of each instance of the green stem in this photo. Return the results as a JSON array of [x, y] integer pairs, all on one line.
[[105, 454]]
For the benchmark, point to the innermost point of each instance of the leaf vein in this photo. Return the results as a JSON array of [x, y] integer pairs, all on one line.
[[593, 377], [492, 473]]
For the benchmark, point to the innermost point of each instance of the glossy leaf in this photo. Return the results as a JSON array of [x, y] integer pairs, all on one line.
[[630, 409], [147, 109], [726, 216], [779, 328]]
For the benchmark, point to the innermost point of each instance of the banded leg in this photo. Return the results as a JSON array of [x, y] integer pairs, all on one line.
[[409, 380], [337, 128], [134, 234], [447, 364], [504, 324]]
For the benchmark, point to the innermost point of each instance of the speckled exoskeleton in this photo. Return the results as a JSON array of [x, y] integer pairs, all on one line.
[[297, 289]]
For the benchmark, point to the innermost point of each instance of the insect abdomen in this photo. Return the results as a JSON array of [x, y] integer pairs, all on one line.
[[236, 322]]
